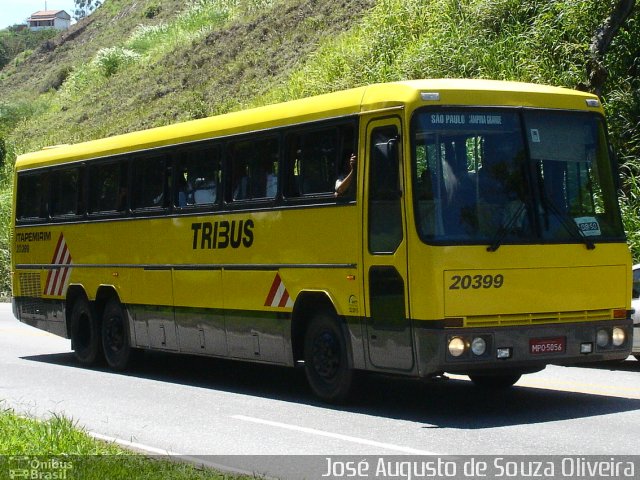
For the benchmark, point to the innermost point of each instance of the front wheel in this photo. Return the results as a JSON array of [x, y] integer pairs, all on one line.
[[495, 381], [115, 336], [326, 359]]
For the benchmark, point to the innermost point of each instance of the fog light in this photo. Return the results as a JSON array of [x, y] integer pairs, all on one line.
[[618, 337], [503, 353], [602, 338], [478, 346], [586, 347], [456, 346]]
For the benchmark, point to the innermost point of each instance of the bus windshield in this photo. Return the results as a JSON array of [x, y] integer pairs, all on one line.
[[494, 176]]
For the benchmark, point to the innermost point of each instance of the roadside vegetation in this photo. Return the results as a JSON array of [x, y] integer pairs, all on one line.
[[138, 64], [57, 448], [16, 44]]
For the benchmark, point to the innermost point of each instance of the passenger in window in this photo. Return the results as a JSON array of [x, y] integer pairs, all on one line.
[[346, 179], [460, 199], [425, 185], [271, 182], [184, 189], [205, 191], [241, 182], [499, 176], [122, 199], [313, 179]]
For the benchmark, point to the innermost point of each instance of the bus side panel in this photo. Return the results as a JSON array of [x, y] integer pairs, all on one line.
[[199, 313], [262, 278], [148, 294], [186, 295], [252, 331]]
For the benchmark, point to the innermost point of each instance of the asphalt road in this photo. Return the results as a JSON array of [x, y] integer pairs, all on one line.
[[255, 417]]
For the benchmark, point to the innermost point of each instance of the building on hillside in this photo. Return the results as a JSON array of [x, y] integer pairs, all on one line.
[[58, 19]]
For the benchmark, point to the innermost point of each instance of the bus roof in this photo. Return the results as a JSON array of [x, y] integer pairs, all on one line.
[[332, 105]]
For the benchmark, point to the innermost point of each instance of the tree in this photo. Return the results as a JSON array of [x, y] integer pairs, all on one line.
[[85, 7], [596, 71]]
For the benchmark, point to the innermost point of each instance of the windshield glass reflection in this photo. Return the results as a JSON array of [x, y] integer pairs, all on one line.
[[475, 183]]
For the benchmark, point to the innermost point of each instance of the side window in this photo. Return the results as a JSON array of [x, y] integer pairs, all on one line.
[[33, 195], [198, 177], [385, 210], [254, 169], [151, 189], [317, 158], [67, 192], [314, 166], [108, 187]]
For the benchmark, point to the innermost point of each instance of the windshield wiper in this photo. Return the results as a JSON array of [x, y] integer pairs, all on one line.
[[569, 225], [505, 229]]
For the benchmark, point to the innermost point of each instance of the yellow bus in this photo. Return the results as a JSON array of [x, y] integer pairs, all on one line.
[[477, 232]]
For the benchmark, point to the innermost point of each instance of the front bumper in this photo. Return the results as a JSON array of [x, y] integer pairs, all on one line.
[[519, 341]]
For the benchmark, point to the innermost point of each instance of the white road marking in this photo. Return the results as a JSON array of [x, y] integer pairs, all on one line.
[[139, 447], [338, 436], [133, 445]]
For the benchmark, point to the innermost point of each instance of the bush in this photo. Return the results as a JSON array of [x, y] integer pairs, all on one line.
[[55, 79], [5, 250], [110, 60], [152, 10]]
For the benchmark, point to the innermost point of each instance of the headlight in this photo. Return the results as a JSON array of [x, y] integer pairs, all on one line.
[[618, 337], [456, 346], [478, 346], [602, 338]]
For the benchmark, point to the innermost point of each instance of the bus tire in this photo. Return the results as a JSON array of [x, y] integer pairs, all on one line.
[[326, 359], [85, 332], [504, 380], [115, 336]]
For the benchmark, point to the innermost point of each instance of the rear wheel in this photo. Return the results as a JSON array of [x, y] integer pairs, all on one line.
[[85, 332], [495, 381], [115, 336], [326, 359]]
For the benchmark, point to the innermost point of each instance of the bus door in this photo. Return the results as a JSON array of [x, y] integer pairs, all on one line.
[[389, 336]]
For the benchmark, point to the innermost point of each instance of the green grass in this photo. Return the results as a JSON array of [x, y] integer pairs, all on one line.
[[57, 445], [196, 21], [148, 44], [537, 41]]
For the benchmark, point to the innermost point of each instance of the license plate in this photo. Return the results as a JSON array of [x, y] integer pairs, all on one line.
[[539, 346]]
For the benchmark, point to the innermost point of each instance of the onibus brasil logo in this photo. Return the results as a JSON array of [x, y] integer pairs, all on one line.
[[39, 468]]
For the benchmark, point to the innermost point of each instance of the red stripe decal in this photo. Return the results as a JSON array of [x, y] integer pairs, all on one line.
[[272, 292]]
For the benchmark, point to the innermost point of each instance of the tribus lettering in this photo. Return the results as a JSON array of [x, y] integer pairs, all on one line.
[[210, 235]]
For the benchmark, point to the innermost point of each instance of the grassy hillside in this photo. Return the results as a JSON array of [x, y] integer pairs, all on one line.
[[16, 45], [211, 57], [143, 63]]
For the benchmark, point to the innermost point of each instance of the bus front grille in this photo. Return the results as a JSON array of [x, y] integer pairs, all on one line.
[[538, 318]]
